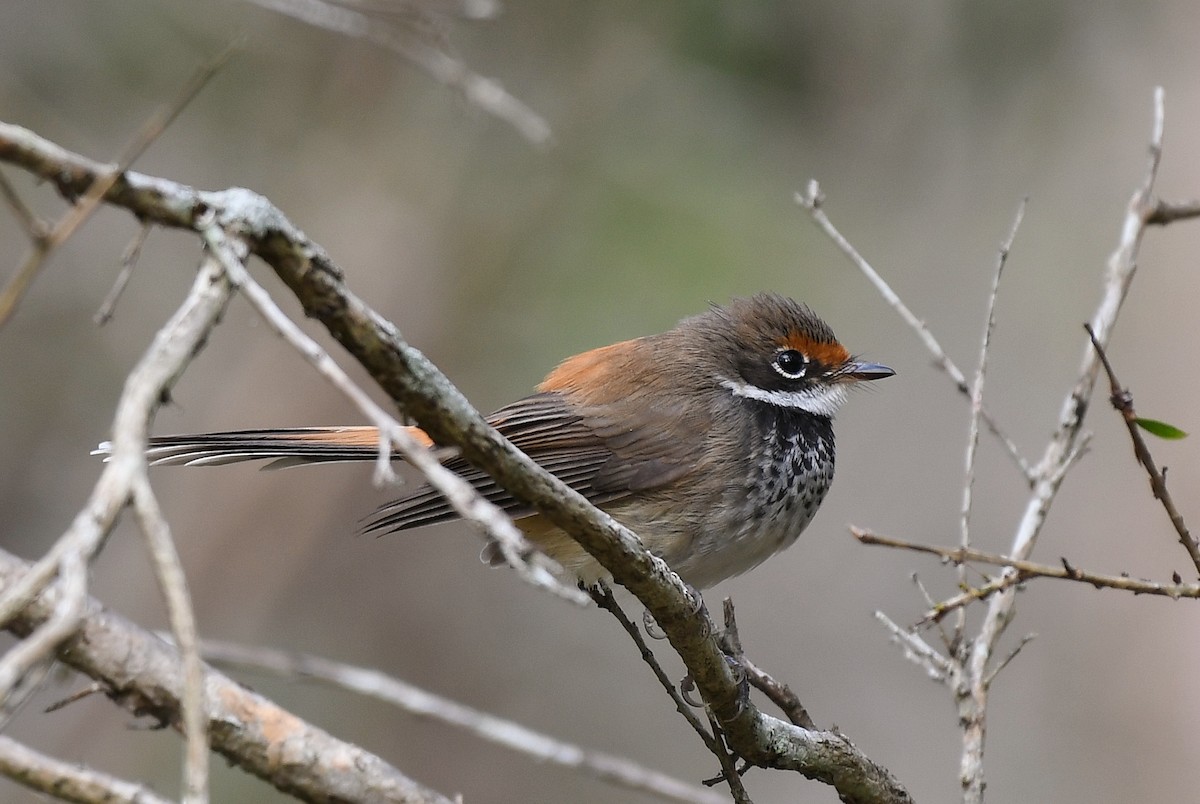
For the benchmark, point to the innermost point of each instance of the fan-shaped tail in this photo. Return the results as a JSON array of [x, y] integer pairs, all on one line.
[[283, 447]]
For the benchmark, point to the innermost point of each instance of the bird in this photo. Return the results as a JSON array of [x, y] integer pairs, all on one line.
[[713, 441]]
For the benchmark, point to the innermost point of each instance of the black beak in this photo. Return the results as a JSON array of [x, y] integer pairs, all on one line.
[[861, 372]]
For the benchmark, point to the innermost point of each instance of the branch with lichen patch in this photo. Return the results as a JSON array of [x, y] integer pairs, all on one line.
[[143, 674], [426, 395]]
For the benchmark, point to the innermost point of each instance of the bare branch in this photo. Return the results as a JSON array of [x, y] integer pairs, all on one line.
[[1165, 212], [1023, 570], [977, 402], [812, 200], [530, 564], [142, 674], [68, 781], [168, 569], [407, 36], [442, 412], [970, 673], [144, 390], [174, 346], [1049, 472], [151, 130], [128, 261], [1122, 400], [364, 681]]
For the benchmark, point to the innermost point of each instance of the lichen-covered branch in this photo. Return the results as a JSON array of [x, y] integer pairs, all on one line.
[[144, 674], [426, 395]]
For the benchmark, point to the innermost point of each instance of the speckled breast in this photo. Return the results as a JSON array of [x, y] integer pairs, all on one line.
[[793, 469]]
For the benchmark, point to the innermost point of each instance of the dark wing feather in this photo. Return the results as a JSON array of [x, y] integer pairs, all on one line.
[[604, 457], [605, 451]]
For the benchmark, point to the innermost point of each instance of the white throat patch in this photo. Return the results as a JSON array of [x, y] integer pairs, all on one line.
[[822, 401]]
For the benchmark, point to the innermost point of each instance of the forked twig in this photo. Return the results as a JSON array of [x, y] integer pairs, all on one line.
[[531, 564], [604, 598], [151, 130], [441, 411], [1122, 400], [1023, 570], [382, 687], [969, 673], [398, 34], [812, 199], [145, 387], [780, 694]]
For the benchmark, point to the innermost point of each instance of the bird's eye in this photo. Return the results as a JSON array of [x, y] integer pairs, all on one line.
[[790, 363]]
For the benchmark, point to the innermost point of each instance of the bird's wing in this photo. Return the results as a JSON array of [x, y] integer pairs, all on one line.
[[604, 453], [607, 422]]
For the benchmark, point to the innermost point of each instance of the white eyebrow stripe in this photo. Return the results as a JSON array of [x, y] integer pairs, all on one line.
[[822, 401]]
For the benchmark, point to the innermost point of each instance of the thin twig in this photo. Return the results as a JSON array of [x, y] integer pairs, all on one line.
[[1059, 454], [1122, 400], [604, 598], [1025, 640], [172, 581], [35, 228], [128, 260], [1162, 212], [812, 200], [86, 691], [531, 564], [780, 694], [1023, 570], [150, 131], [729, 769], [977, 405], [514, 736], [951, 644], [412, 42], [918, 651]]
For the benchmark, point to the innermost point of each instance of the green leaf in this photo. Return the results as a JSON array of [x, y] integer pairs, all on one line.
[[1160, 429]]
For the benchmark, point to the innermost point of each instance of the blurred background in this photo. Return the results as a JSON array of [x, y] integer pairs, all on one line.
[[681, 133]]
